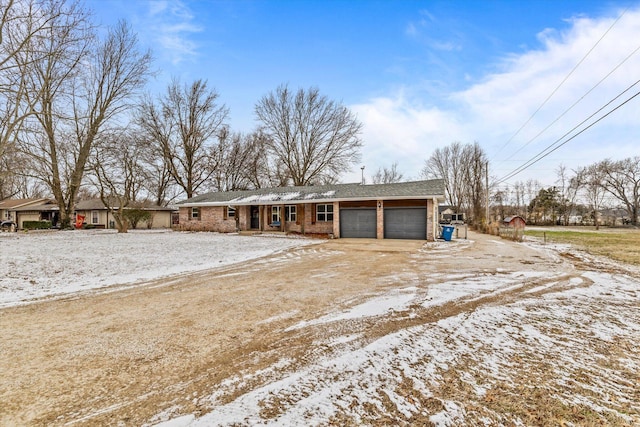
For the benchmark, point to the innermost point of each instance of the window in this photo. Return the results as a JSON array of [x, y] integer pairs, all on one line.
[[229, 212], [290, 213], [195, 213], [324, 213], [95, 219], [275, 214]]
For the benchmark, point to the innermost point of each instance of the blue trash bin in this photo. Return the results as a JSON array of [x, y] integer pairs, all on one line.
[[447, 232]]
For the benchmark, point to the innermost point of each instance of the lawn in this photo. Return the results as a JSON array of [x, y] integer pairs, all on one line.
[[618, 244]]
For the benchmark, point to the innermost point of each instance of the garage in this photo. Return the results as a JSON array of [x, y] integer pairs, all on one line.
[[405, 223], [358, 222]]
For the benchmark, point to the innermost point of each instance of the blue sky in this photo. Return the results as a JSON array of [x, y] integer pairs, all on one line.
[[419, 74]]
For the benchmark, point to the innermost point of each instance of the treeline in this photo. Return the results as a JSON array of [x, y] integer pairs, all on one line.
[[606, 192], [76, 121]]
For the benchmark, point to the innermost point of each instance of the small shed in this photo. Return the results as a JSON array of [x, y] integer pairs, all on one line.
[[515, 221], [512, 228]]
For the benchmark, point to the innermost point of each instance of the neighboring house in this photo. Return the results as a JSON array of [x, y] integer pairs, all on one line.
[[407, 210], [448, 215], [97, 215], [21, 210], [8, 206]]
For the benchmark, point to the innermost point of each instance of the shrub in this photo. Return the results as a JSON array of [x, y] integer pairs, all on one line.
[[36, 225], [134, 216]]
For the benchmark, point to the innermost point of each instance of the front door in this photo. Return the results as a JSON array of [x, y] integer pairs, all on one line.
[[255, 217]]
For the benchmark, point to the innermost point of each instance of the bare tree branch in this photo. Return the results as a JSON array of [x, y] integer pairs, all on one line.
[[387, 175], [183, 126], [76, 89], [314, 138]]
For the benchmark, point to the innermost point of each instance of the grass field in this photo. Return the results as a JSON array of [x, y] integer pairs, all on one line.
[[618, 244]]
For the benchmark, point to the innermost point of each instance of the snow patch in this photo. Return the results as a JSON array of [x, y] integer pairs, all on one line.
[[54, 264]]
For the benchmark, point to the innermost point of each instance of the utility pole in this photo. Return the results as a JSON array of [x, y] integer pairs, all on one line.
[[486, 183]]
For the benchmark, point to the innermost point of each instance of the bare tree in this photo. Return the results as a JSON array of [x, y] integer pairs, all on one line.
[[118, 174], [446, 163], [237, 159], [314, 138], [387, 175], [79, 87], [158, 182], [474, 163], [591, 180], [463, 169], [183, 126], [568, 187], [621, 179], [263, 170], [23, 25]]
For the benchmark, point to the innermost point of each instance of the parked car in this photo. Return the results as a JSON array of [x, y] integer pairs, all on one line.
[[8, 225]]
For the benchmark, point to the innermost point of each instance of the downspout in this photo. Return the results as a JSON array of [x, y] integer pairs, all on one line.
[[436, 218]]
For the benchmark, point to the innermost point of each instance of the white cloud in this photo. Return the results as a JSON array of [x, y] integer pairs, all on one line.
[[399, 128], [173, 26], [156, 7], [428, 30], [397, 131]]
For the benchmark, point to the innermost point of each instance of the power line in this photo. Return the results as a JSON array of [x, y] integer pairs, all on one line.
[[559, 143], [563, 81], [575, 103]]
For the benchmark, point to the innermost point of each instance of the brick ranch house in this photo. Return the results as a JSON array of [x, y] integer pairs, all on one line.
[[407, 210]]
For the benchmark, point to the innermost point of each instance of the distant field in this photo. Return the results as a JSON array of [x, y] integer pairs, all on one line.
[[619, 244]]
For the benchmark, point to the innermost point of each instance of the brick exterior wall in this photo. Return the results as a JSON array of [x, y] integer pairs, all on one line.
[[336, 220], [432, 214], [211, 219], [305, 221]]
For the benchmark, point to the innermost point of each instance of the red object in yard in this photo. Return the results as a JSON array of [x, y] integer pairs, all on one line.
[[514, 221], [79, 221]]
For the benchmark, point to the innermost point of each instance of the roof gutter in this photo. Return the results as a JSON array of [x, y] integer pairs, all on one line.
[[309, 201]]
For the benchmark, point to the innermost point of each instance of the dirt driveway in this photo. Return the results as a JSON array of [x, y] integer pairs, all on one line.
[[123, 356]]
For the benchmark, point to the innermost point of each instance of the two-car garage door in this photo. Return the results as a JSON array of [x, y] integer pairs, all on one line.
[[399, 223]]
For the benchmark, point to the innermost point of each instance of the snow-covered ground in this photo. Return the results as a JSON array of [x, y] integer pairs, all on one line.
[[574, 340], [501, 342], [491, 345], [39, 265]]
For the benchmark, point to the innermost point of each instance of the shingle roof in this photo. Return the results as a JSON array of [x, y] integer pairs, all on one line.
[[44, 207], [321, 193], [97, 204], [16, 203]]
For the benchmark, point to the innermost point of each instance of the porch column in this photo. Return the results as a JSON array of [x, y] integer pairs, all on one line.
[[283, 218], [432, 223], [336, 220], [380, 220]]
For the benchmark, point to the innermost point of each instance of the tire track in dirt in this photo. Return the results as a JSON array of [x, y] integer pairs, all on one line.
[[123, 355], [309, 344]]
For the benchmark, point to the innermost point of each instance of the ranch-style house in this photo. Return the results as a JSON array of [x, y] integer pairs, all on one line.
[[407, 210]]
